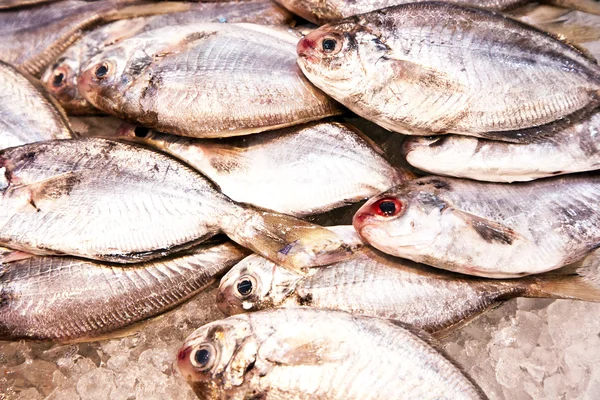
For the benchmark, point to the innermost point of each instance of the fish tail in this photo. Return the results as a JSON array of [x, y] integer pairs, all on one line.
[[286, 240]]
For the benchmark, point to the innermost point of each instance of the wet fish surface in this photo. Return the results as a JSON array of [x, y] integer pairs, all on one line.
[[493, 230], [67, 299], [436, 68], [112, 201], [27, 113], [302, 170], [573, 149], [326, 355], [232, 79], [61, 78], [378, 285]]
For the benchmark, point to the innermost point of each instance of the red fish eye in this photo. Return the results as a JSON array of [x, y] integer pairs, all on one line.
[[388, 207]]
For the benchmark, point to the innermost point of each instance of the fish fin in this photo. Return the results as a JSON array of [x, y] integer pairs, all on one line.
[[51, 188], [294, 351], [286, 240], [9, 255], [424, 76], [490, 231]]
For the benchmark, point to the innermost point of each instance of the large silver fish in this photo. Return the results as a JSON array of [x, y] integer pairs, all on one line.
[[575, 148], [231, 79], [372, 283], [302, 170], [27, 113], [435, 68], [60, 79], [304, 353], [494, 230], [112, 201], [70, 299]]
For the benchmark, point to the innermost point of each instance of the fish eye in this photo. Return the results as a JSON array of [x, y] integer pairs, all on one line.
[[141, 131], [331, 45], [102, 70], [203, 358], [245, 286], [388, 207], [58, 80]]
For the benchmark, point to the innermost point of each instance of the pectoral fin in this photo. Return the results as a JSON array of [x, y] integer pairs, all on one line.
[[490, 231], [296, 351]]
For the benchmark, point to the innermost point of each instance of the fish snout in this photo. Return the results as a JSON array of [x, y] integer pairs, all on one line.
[[183, 362], [361, 219], [225, 305]]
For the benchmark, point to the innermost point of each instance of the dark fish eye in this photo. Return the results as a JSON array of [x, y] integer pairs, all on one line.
[[58, 80], [388, 207], [329, 45], [141, 131], [203, 358], [245, 287], [101, 71]]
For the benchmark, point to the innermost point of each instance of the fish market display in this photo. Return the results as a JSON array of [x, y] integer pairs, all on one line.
[[434, 68], [112, 201], [61, 78], [66, 299], [306, 353], [573, 149], [486, 229], [231, 79], [303, 170], [372, 283], [27, 113]]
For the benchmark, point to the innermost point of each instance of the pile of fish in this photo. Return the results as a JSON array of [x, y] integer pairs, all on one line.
[[148, 149]]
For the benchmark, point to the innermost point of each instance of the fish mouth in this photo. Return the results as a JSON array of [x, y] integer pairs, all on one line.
[[305, 49], [183, 363], [361, 221]]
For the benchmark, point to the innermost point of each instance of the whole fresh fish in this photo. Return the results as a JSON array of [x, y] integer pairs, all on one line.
[[324, 11], [60, 79], [302, 170], [306, 353], [486, 229], [372, 283], [436, 68], [27, 113], [112, 201], [232, 79], [575, 148], [32, 37], [67, 299]]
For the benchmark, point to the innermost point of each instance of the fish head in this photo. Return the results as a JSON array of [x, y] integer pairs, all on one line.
[[449, 151], [60, 80], [339, 57], [255, 283], [407, 217], [216, 356]]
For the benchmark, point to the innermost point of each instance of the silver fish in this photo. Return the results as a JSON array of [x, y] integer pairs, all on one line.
[[304, 353], [68, 299], [302, 170], [372, 283], [233, 79], [573, 149], [112, 201], [27, 113], [486, 229], [60, 79], [418, 69]]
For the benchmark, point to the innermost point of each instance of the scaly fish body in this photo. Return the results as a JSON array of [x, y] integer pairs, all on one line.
[[487, 229], [232, 79], [436, 68], [326, 355], [27, 113], [66, 299], [112, 201]]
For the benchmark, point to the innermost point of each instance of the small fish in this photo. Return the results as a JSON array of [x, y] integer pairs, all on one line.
[[416, 69], [375, 284], [60, 79], [68, 299], [112, 201], [302, 170], [494, 230], [232, 79], [575, 148], [305, 353], [27, 113]]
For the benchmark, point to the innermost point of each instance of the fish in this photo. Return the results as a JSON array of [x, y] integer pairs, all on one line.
[[95, 126], [69, 299], [303, 353], [493, 230], [60, 78], [573, 149], [34, 36], [325, 11], [375, 284], [588, 6], [243, 79], [27, 113], [302, 170], [415, 69], [116, 202]]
